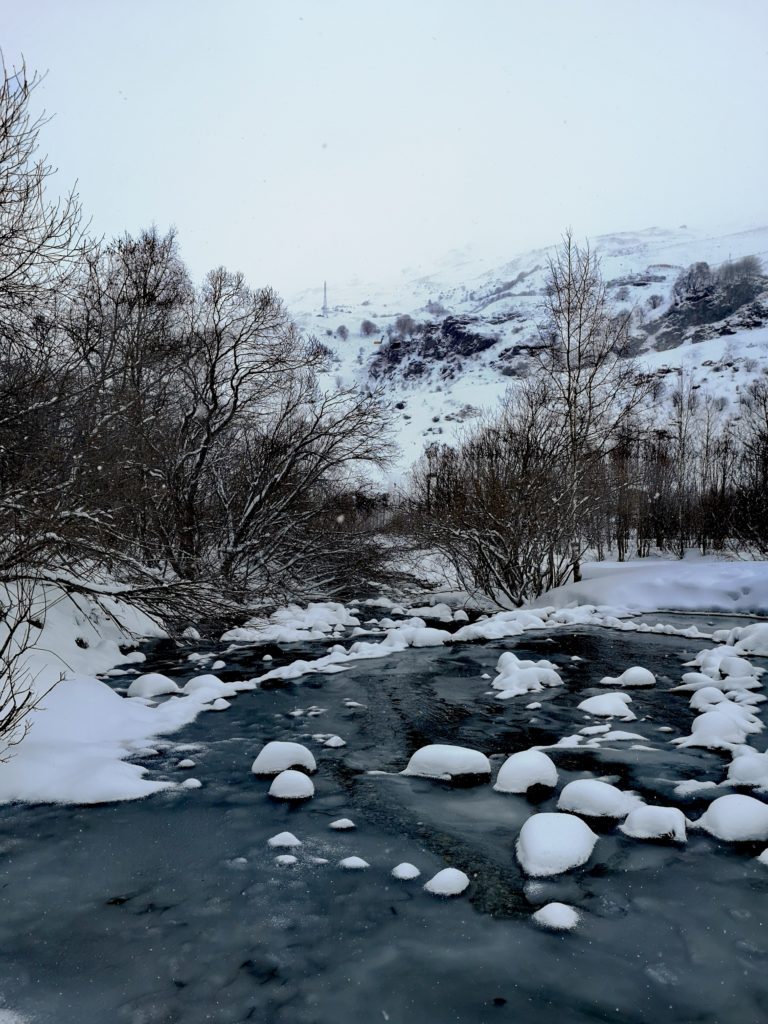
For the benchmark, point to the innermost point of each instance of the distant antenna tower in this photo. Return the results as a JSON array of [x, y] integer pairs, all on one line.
[[325, 298]]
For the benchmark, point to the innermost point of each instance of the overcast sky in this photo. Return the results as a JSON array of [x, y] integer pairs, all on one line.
[[306, 139]]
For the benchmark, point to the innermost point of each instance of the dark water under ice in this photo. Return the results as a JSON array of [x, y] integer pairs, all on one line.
[[146, 912]]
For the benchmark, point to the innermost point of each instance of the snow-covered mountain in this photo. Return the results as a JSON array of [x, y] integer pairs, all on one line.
[[448, 344]]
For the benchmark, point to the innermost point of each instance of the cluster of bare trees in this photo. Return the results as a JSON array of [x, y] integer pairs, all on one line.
[[582, 458], [174, 434]]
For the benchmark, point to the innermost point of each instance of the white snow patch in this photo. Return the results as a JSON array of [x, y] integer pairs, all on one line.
[[550, 843], [448, 882]]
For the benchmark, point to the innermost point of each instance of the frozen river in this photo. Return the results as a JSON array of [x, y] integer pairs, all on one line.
[[172, 910]]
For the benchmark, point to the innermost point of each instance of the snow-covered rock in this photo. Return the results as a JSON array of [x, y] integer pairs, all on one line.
[[284, 839], [152, 684], [342, 824], [353, 864], [448, 882], [557, 916], [277, 755], [524, 769], [635, 676], [551, 843], [596, 799], [749, 769], [405, 871], [609, 705], [735, 818], [285, 860], [443, 761], [516, 677], [191, 784], [647, 822], [187, 762], [291, 785]]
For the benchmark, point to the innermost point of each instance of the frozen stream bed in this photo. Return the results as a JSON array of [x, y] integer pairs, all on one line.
[[173, 910]]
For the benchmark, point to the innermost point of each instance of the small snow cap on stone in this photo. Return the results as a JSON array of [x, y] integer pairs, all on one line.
[[443, 761], [342, 823], [353, 864], [277, 755], [557, 916], [635, 676], [448, 882], [609, 705], [735, 818], [291, 785], [334, 741], [191, 784], [596, 799], [405, 871], [152, 684], [284, 839], [524, 769], [186, 763], [285, 860], [647, 822], [551, 843]]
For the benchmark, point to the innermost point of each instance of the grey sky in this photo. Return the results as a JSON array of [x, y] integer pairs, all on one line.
[[303, 139]]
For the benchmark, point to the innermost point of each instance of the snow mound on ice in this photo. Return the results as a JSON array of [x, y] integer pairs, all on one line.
[[655, 823], [443, 761], [516, 677], [609, 705], [291, 785], [749, 769], [635, 676], [152, 684], [405, 871], [277, 755], [551, 843], [284, 839], [596, 799], [448, 882], [557, 916], [285, 860], [353, 864], [294, 624], [524, 769], [186, 763], [714, 730], [747, 639], [341, 824], [735, 818], [191, 784]]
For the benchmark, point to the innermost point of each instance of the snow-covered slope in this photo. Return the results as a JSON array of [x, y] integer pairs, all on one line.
[[471, 323]]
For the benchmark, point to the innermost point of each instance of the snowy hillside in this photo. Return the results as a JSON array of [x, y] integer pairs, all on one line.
[[449, 343]]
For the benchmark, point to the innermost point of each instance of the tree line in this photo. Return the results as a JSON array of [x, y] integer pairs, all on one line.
[[588, 457]]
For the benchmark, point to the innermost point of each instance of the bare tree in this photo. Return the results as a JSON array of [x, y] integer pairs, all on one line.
[[594, 387]]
